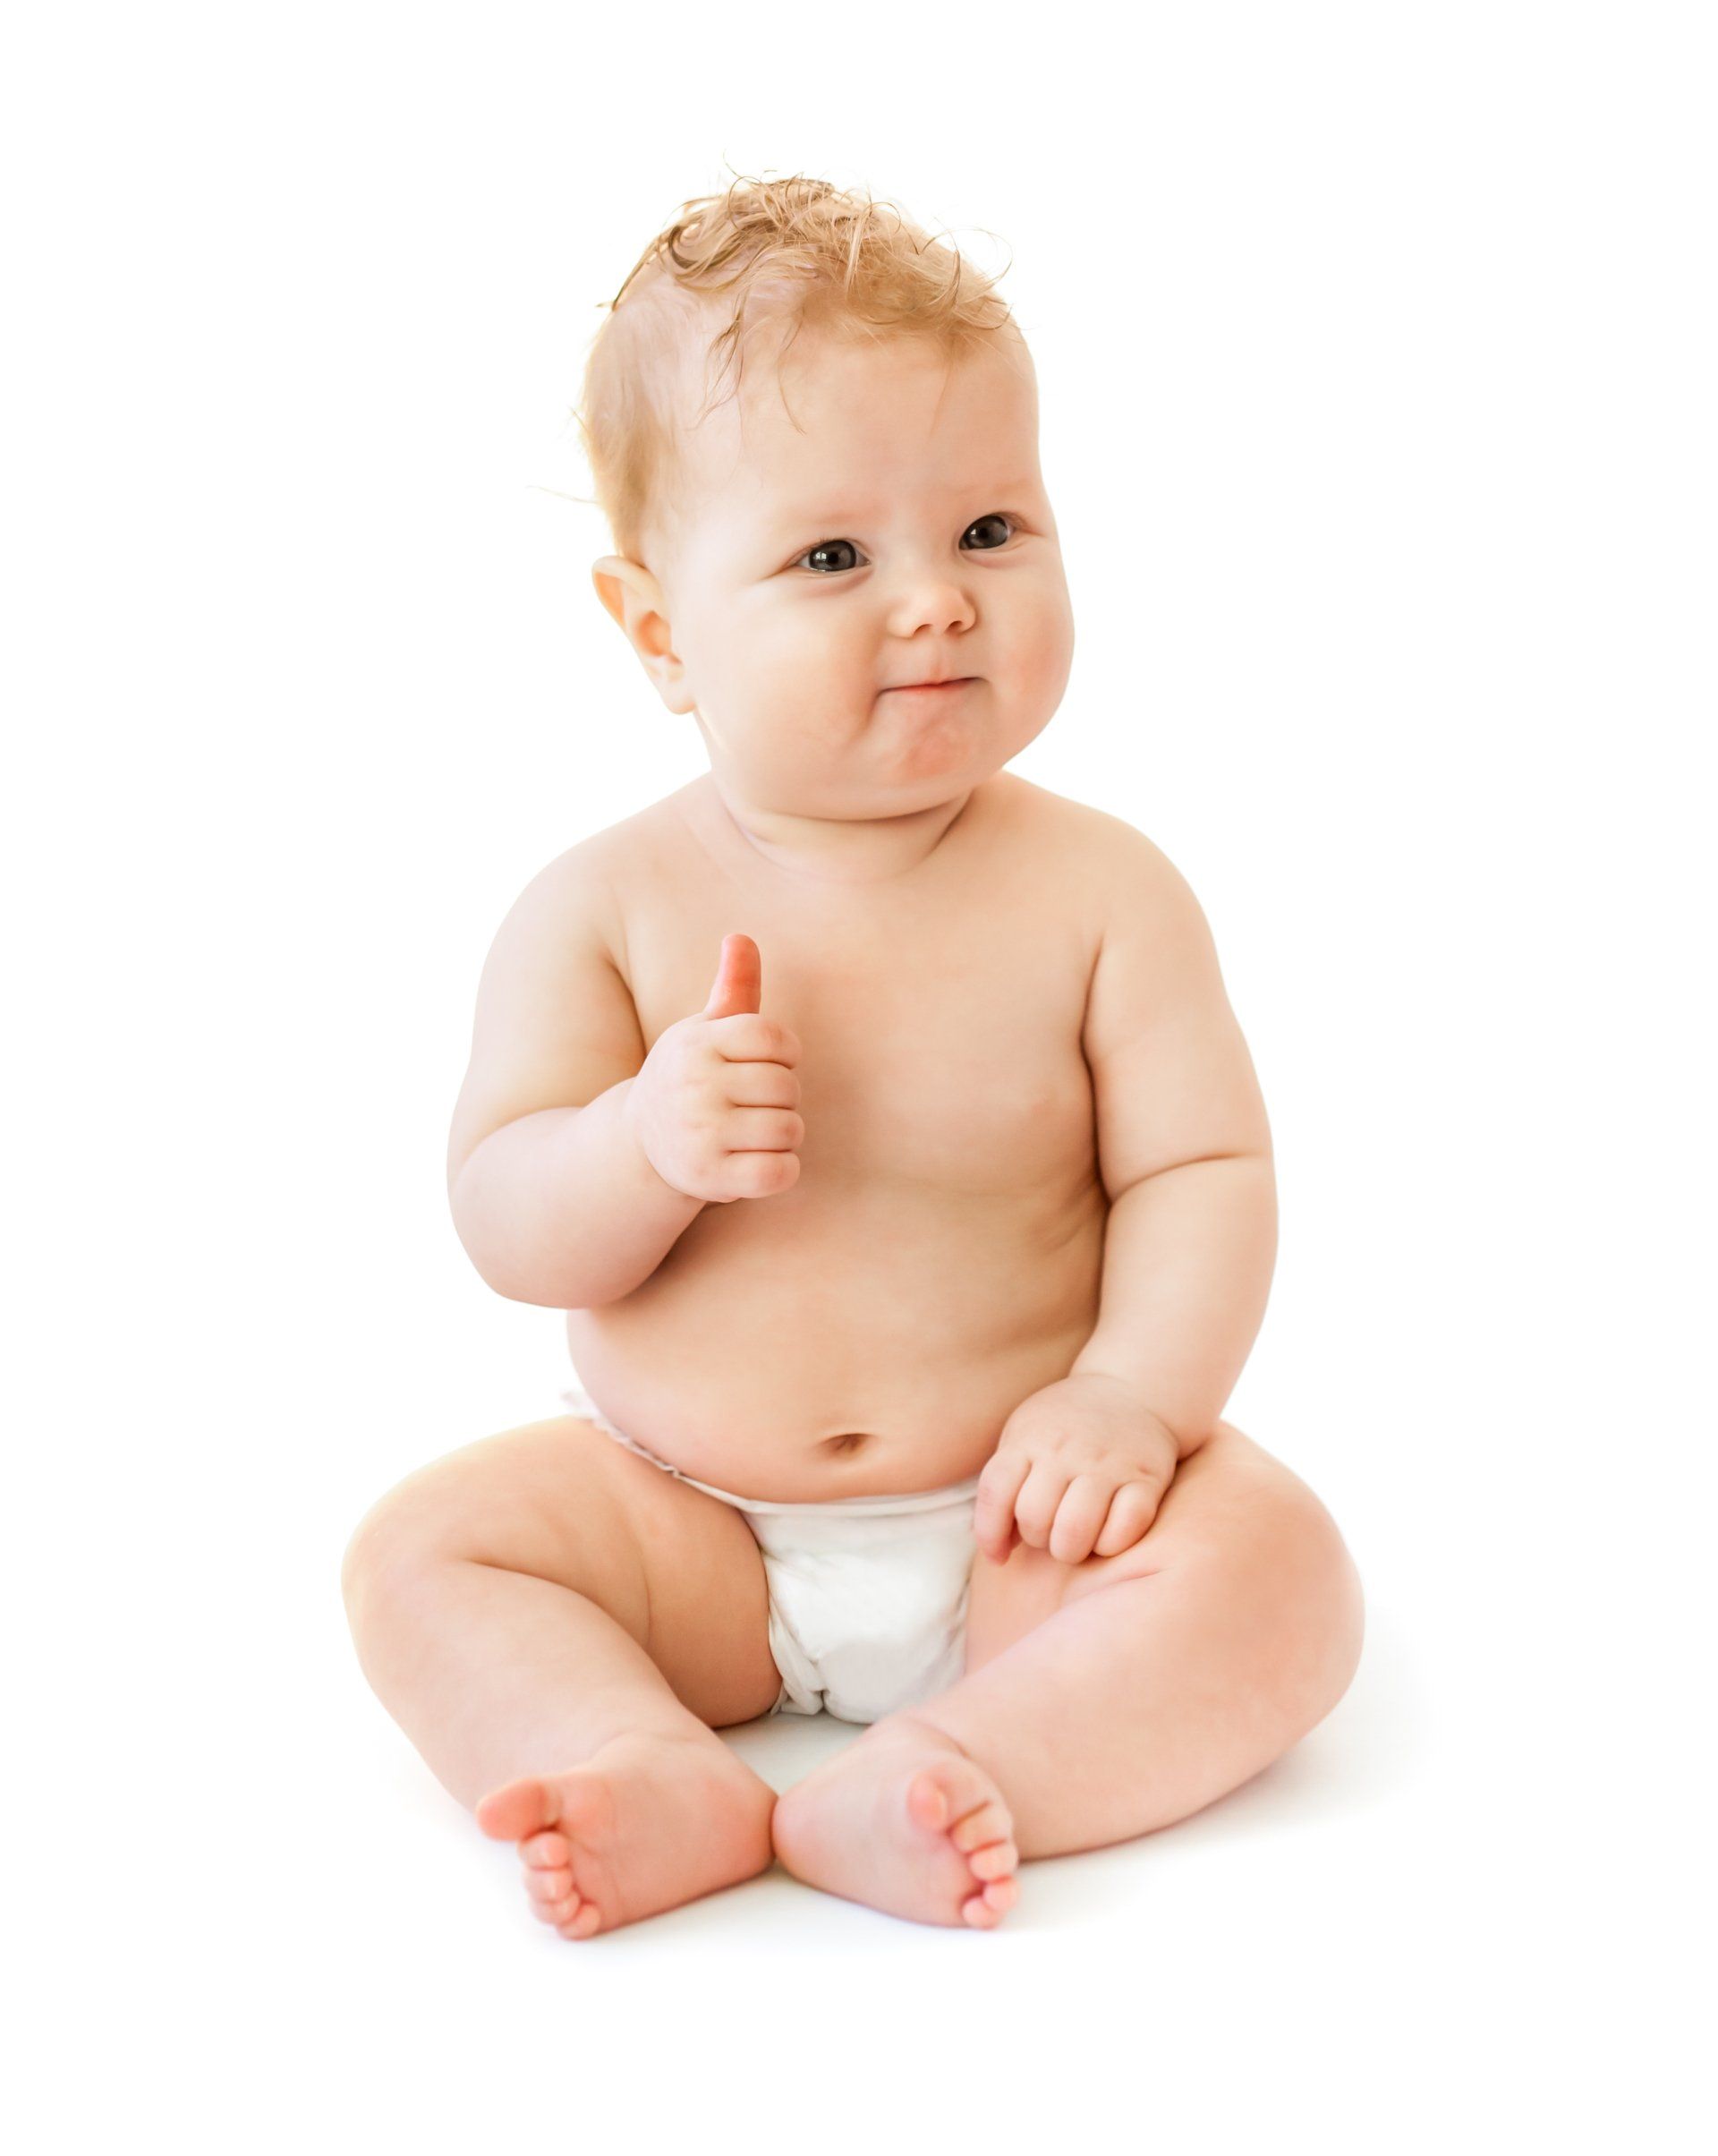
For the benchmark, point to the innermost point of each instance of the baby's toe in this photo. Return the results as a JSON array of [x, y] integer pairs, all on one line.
[[565, 1911], [928, 1796], [548, 1851], [989, 1823], [985, 1910], [996, 1862], [546, 1888], [556, 1913]]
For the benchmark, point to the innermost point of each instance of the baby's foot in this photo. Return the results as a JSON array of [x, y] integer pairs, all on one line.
[[647, 1823], [903, 1820]]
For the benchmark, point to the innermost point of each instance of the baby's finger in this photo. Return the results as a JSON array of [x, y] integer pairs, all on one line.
[[739, 978], [745, 1037], [1079, 1516], [993, 1513], [761, 1085], [763, 1130], [1035, 1507], [1132, 1511]]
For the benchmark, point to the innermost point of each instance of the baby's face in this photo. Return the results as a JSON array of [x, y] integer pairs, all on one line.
[[905, 534]]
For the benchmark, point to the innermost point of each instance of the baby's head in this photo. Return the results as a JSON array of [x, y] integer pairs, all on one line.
[[868, 514]]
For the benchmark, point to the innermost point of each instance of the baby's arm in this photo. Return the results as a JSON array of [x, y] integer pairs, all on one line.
[[1183, 1152], [553, 1197]]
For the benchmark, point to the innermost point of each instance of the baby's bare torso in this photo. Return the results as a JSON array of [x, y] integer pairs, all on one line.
[[872, 1328]]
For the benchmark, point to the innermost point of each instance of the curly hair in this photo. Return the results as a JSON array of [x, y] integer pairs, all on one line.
[[791, 252]]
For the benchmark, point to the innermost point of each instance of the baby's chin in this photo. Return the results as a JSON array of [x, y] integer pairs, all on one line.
[[936, 765], [915, 783]]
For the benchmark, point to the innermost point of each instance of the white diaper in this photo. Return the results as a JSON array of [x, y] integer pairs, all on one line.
[[867, 1595]]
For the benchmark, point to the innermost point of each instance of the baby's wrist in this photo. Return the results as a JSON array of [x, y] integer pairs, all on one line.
[[1177, 1437], [648, 1176]]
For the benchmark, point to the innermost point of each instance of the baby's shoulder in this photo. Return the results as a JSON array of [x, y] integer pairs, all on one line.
[[597, 867], [577, 900], [1098, 850]]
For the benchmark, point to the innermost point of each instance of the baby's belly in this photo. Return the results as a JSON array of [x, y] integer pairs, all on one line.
[[845, 1348]]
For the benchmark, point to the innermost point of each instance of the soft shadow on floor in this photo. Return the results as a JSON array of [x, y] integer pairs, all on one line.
[[1357, 1759]]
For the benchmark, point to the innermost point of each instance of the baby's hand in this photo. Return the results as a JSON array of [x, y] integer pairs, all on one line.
[[715, 1106], [1081, 1466]]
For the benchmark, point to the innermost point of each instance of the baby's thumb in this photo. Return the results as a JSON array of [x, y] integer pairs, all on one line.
[[739, 980]]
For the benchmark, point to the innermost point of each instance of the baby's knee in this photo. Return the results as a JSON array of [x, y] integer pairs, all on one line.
[[399, 1539], [1317, 1585], [1277, 1556]]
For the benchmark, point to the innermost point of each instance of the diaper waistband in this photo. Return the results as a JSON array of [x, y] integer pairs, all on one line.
[[580, 1402]]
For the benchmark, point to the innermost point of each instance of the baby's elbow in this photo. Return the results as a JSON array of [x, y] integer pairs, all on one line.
[[514, 1282], [517, 1279]]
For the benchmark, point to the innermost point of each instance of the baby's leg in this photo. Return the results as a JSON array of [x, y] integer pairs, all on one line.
[[1101, 1700], [559, 1627]]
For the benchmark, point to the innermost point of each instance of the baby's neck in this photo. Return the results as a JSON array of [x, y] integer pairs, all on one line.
[[833, 850]]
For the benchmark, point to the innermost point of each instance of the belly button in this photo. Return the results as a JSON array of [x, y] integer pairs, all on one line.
[[849, 1441]]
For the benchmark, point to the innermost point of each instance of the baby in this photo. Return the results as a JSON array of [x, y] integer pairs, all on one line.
[[880, 1123]]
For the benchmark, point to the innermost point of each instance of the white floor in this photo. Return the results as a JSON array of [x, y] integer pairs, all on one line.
[[1385, 1942]]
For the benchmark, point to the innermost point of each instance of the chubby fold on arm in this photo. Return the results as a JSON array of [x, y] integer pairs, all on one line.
[[551, 1194], [1183, 1152]]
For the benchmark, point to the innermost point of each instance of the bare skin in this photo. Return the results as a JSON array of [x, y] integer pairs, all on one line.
[[933, 977], [869, 1329]]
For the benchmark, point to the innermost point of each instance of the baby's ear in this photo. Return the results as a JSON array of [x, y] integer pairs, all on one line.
[[618, 586], [637, 601], [634, 598]]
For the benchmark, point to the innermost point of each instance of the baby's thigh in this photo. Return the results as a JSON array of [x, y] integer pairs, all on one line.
[[563, 1501]]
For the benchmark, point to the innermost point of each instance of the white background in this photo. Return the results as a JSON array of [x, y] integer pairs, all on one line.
[[1376, 350]]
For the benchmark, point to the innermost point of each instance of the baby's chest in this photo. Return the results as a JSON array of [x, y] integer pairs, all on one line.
[[949, 1057], [939, 1028], [961, 1093]]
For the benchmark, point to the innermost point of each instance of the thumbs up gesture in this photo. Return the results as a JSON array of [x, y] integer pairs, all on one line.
[[716, 1105]]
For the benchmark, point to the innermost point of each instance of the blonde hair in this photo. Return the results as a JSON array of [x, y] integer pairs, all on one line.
[[792, 252]]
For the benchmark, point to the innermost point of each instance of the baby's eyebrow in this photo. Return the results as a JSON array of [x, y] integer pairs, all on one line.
[[832, 513]]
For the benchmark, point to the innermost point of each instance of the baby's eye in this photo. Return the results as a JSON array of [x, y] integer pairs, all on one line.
[[995, 518], [826, 546], [834, 546]]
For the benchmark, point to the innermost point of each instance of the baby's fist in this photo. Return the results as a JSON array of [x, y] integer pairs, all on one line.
[[715, 1108]]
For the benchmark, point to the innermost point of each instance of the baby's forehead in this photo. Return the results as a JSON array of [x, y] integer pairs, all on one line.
[[855, 413]]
